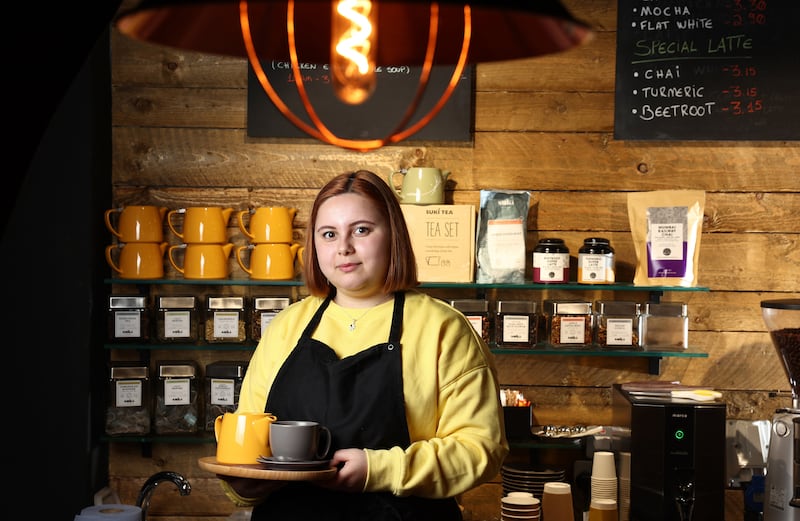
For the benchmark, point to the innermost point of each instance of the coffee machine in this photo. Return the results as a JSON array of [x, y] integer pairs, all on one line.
[[782, 482], [677, 448]]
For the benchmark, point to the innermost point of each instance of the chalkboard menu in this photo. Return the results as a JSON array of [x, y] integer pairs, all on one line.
[[376, 118], [708, 70]]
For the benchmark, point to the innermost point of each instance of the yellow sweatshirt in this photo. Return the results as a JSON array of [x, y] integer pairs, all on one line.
[[452, 395]]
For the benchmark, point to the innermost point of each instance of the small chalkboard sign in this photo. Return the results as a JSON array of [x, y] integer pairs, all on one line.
[[708, 70], [376, 118]]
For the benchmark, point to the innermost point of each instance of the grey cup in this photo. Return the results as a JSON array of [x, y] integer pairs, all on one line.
[[295, 440]]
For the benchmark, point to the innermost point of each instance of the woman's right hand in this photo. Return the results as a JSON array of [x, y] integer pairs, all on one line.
[[352, 473]]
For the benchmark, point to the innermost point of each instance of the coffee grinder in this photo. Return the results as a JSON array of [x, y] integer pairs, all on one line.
[[782, 483]]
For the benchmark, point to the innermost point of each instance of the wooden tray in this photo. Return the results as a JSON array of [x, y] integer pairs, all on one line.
[[257, 471]]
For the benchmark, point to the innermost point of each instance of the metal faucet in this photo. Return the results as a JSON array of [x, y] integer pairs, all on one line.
[[143, 501]]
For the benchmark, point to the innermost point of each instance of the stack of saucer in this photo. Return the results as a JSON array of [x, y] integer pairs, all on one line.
[[520, 506], [528, 478], [604, 476]]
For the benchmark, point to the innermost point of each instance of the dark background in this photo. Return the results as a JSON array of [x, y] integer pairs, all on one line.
[[58, 97]]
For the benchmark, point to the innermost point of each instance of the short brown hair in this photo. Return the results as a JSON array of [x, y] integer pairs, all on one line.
[[402, 272]]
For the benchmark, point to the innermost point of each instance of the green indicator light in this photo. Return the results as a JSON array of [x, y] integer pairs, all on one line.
[[679, 434]]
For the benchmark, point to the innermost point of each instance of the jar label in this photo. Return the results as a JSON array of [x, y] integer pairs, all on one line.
[[595, 268], [128, 393], [516, 329], [550, 267], [177, 324], [266, 318], [222, 391], [619, 331], [573, 330], [127, 324], [226, 324], [177, 391]]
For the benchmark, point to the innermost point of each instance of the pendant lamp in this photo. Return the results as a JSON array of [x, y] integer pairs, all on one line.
[[354, 37]]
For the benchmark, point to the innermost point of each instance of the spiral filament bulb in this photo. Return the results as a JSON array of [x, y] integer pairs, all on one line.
[[354, 35]]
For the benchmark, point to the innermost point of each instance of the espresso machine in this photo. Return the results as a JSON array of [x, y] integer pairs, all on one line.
[[782, 482]]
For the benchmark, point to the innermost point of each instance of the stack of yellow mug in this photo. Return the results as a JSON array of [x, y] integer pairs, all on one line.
[[204, 242], [272, 252], [139, 250]]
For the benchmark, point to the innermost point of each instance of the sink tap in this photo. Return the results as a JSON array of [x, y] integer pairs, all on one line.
[[143, 501]]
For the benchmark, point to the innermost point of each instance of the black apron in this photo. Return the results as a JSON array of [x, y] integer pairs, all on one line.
[[360, 399]]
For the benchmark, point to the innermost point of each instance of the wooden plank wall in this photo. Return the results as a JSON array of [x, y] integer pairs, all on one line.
[[544, 125]]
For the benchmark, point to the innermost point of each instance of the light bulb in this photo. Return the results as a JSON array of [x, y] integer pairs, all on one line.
[[353, 47]]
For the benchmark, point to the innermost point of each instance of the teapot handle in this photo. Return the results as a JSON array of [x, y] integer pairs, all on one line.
[[170, 225], [392, 184], [242, 226], [109, 225]]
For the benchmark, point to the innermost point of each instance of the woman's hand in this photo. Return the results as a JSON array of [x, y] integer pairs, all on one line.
[[352, 475]]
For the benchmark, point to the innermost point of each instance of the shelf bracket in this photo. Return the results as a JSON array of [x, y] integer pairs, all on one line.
[[654, 366], [147, 449]]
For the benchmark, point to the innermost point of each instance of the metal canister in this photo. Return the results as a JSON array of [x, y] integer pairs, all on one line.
[[263, 311], [551, 261], [225, 320], [176, 319], [569, 323], [596, 262], [222, 387], [128, 410], [665, 325], [477, 312], [129, 318], [618, 324], [177, 405], [516, 323]]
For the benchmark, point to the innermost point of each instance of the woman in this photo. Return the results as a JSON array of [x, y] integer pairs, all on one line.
[[402, 380]]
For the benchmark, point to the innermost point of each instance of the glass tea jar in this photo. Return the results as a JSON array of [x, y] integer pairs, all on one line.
[[129, 318], [225, 320], [477, 312], [665, 325], [551, 261], [596, 262], [128, 410], [263, 311], [176, 319], [223, 383], [568, 323], [177, 403], [617, 324], [516, 323]]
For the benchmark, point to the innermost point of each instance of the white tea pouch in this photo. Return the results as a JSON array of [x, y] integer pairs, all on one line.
[[666, 226], [502, 230]]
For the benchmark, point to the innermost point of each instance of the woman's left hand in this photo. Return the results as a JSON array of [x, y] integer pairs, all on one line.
[[352, 474]]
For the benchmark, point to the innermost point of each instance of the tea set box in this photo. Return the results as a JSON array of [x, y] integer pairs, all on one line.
[[443, 238]]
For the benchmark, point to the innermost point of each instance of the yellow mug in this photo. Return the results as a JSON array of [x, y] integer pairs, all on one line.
[[137, 260], [269, 224], [242, 437], [136, 223], [201, 261], [201, 224], [269, 261]]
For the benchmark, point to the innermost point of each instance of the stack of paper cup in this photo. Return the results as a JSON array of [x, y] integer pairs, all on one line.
[[603, 510], [519, 506], [624, 485], [604, 476]]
